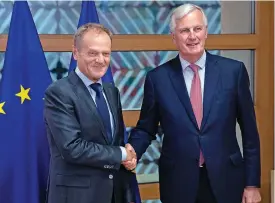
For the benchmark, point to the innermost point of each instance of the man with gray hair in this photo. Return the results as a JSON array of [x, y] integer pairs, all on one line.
[[197, 98], [85, 128]]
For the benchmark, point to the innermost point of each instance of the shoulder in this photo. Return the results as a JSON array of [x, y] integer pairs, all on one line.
[[221, 60], [110, 86], [164, 69], [58, 86], [227, 66], [112, 89]]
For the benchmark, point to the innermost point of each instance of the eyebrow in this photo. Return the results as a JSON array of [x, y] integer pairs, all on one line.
[[190, 27]]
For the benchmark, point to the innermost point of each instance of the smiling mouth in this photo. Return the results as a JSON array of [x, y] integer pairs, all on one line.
[[99, 67], [192, 45]]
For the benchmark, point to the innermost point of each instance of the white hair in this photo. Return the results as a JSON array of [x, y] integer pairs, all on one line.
[[182, 11]]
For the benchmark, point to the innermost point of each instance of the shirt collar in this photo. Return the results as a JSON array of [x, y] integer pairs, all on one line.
[[84, 78], [201, 62]]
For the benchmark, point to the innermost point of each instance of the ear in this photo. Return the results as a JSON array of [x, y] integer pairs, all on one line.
[[206, 32], [75, 52], [173, 37]]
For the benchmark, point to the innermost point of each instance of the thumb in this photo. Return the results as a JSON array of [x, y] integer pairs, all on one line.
[[129, 146], [243, 199]]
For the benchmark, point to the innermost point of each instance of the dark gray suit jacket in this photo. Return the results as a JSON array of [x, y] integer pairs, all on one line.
[[84, 166]]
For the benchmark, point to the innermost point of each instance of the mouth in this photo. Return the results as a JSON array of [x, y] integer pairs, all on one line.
[[191, 45], [99, 67]]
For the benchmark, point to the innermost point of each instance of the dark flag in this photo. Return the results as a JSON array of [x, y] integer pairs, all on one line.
[[24, 148]]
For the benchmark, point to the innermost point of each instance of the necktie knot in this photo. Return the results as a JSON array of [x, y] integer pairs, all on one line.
[[97, 87], [194, 67]]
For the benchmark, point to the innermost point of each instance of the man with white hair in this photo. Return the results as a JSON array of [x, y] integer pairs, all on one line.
[[197, 98]]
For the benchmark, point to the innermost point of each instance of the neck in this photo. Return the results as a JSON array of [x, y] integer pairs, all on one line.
[[191, 58]]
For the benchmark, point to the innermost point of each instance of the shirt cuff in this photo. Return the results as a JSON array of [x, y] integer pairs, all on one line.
[[124, 153]]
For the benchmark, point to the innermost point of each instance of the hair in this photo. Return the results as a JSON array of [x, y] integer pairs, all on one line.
[[95, 27], [182, 11]]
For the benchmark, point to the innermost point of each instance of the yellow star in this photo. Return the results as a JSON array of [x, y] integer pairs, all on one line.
[[1, 108], [23, 94]]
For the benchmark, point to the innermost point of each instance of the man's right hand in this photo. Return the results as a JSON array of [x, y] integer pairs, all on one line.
[[131, 154], [131, 160]]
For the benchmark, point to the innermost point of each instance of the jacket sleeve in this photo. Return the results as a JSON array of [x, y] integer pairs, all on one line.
[[146, 129], [247, 121]]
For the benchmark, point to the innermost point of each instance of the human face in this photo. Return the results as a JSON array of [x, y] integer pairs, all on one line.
[[189, 36], [93, 54]]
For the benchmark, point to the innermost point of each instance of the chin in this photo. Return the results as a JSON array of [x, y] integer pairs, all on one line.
[[196, 52]]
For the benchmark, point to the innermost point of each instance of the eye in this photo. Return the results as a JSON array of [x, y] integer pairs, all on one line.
[[106, 54], [197, 29], [185, 30], [92, 54]]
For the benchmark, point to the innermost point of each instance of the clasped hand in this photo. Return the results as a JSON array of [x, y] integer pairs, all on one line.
[[131, 161]]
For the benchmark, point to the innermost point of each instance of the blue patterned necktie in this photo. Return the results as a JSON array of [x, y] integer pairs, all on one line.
[[102, 109]]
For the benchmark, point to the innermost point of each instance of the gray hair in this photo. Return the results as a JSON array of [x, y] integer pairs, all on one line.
[[182, 11], [82, 30]]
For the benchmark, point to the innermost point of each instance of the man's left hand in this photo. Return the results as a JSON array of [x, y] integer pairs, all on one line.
[[251, 195]]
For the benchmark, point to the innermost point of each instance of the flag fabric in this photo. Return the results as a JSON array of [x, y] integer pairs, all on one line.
[[24, 148], [89, 15]]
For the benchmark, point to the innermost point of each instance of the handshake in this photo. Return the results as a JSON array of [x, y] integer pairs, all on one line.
[[131, 160]]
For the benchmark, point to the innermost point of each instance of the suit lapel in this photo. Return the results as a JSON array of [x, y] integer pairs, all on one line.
[[177, 79], [109, 93], [210, 85], [84, 96]]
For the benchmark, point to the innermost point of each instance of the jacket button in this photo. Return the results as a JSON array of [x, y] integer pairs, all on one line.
[[111, 176]]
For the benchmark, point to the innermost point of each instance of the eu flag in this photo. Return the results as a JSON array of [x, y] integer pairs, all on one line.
[[89, 15], [23, 147]]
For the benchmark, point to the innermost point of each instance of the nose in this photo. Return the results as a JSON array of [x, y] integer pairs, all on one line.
[[100, 58], [192, 34]]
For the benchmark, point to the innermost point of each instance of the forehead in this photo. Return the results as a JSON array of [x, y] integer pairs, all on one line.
[[96, 40], [194, 18], [95, 35]]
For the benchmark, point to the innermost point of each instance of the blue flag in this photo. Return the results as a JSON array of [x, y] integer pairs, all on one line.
[[89, 15], [24, 148]]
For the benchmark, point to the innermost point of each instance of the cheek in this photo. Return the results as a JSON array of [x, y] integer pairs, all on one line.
[[107, 59], [90, 62], [180, 38], [181, 41], [202, 36]]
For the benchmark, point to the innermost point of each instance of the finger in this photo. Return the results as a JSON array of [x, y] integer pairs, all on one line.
[[129, 146], [133, 153], [130, 168], [129, 165], [243, 200], [249, 200]]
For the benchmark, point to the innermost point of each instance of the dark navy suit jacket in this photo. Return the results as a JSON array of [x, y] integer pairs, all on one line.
[[85, 167], [226, 99]]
